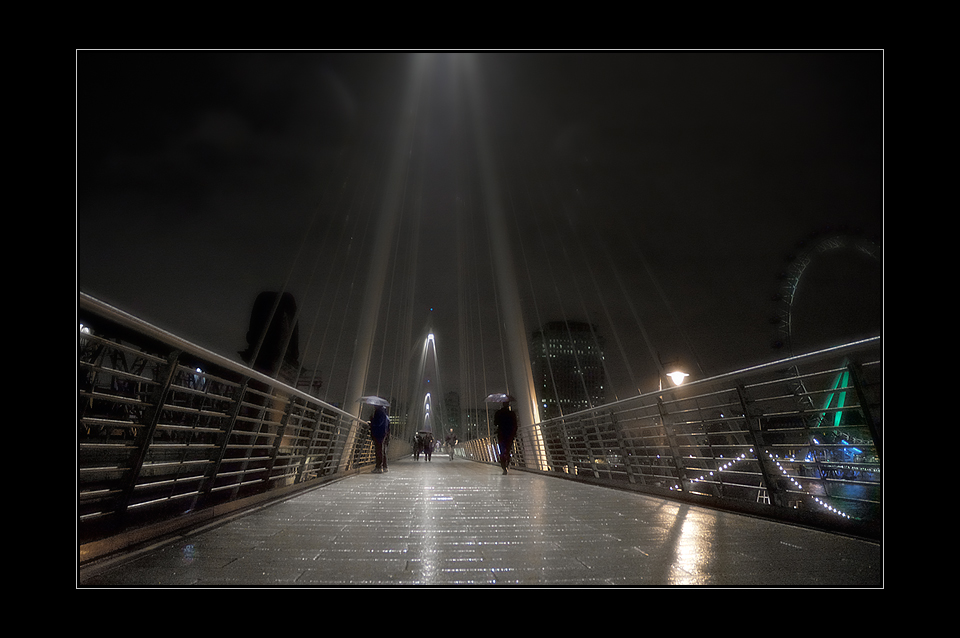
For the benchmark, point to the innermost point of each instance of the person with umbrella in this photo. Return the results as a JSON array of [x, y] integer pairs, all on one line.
[[507, 424], [379, 431]]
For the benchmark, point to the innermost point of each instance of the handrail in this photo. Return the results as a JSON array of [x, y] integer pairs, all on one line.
[[87, 303], [810, 357], [169, 432], [798, 439]]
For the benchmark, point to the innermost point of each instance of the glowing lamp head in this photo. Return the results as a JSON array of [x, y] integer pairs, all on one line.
[[678, 377]]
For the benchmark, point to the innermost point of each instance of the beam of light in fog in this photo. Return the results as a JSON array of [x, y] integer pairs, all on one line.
[[383, 234], [516, 333]]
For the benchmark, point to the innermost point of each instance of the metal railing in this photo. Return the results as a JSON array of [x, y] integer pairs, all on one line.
[[797, 439], [168, 430], [169, 433]]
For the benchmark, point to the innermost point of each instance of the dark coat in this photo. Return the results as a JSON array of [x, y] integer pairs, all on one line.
[[506, 422], [379, 424]]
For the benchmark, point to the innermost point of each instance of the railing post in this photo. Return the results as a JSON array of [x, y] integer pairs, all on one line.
[[865, 406], [588, 446], [151, 417], [767, 469], [672, 442], [262, 430], [224, 439], [349, 444], [281, 430], [625, 452], [314, 433], [565, 445]]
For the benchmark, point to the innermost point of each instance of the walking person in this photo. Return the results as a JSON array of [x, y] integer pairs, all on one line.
[[428, 446], [380, 433], [417, 446], [506, 422], [451, 442]]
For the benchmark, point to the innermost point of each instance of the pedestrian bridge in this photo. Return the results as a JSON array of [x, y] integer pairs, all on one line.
[[452, 523], [194, 470]]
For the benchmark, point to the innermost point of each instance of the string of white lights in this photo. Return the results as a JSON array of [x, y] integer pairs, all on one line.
[[729, 464]]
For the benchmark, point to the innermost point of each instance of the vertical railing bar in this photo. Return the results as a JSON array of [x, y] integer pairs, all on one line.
[[224, 439], [855, 374], [670, 434], [760, 450], [622, 445], [262, 418], [311, 441], [281, 430], [151, 419]]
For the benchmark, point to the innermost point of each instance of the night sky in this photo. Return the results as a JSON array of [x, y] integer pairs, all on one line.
[[645, 191]]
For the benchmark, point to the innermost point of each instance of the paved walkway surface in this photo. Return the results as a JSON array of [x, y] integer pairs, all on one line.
[[459, 523]]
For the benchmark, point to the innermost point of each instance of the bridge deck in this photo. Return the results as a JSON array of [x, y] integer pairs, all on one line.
[[448, 523]]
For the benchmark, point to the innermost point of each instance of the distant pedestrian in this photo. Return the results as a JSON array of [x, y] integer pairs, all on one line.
[[428, 444], [417, 446], [380, 433], [451, 442], [506, 422]]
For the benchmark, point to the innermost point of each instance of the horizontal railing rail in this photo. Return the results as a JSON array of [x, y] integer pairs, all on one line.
[[797, 439], [167, 430]]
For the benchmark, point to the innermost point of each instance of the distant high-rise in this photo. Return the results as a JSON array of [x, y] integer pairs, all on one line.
[[567, 362], [477, 422], [451, 405]]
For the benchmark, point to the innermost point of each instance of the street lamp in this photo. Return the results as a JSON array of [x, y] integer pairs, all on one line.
[[677, 377]]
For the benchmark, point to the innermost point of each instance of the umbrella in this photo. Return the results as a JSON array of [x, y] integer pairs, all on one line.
[[375, 401], [499, 397]]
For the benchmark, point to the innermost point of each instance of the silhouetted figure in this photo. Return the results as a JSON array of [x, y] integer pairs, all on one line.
[[417, 446], [451, 442], [280, 342], [506, 422], [423, 444], [380, 433], [428, 444]]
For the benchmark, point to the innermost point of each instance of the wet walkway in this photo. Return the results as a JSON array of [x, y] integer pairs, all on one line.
[[456, 523]]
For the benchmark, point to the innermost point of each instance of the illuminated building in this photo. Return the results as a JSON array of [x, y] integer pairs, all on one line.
[[567, 362]]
